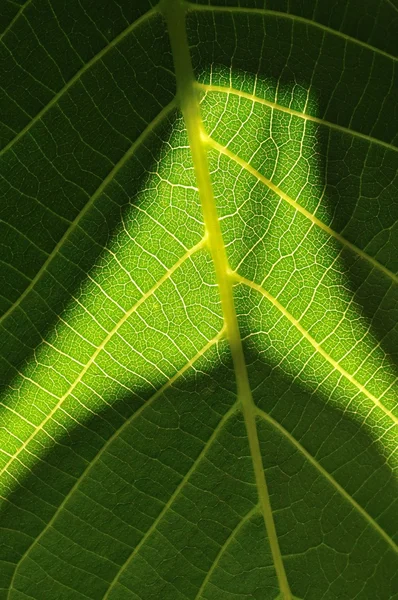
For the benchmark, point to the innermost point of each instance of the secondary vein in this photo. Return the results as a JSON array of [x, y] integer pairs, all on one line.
[[78, 74], [245, 10], [188, 99], [329, 478], [78, 219], [306, 213], [295, 113], [99, 349], [258, 288], [107, 445]]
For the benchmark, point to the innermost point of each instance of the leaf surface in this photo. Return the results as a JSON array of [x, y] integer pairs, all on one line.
[[199, 300]]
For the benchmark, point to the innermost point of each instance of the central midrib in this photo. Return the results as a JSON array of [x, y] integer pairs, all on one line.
[[188, 100]]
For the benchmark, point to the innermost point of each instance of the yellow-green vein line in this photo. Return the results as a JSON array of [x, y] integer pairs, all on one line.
[[247, 167], [130, 152], [242, 280], [223, 548], [101, 346], [78, 74], [188, 98], [176, 492], [284, 15], [329, 477], [295, 113], [116, 433], [15, 18]]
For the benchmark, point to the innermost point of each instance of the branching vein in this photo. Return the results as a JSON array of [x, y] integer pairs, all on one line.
[[189, 102]]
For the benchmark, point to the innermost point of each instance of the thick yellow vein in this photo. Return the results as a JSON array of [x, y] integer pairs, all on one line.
[[173, 497], [295, 113], [188, 98], [130, 152], [101, 346], [78, 74], [291, 17], [247, 167], [328, 476], [108, 443], [242, 280]]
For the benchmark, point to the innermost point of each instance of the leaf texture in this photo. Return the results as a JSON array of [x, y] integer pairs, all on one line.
[[199, 300]]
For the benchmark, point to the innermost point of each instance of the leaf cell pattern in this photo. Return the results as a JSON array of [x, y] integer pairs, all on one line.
[[199, 300]]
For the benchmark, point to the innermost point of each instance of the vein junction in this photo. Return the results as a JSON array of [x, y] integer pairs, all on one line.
[[187, 97]]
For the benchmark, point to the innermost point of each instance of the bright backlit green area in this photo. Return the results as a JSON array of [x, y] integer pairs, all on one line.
[[198, 300]]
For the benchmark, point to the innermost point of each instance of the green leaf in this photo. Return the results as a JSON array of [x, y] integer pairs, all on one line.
[[199, 300]]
